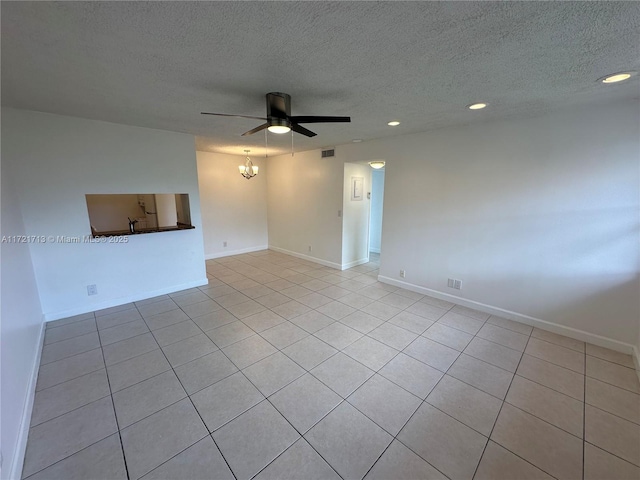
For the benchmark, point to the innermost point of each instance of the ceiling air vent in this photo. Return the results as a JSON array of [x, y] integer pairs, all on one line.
[[328, 153]]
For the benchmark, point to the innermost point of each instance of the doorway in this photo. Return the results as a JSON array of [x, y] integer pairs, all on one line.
[[375, 220]]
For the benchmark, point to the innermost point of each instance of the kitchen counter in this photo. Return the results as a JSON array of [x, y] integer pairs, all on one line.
[[142, 231]]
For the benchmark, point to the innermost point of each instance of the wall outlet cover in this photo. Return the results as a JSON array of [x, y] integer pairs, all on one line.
[[92, 290]]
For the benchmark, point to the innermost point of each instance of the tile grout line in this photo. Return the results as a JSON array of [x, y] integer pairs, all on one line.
[[51, 324], [71, 454], [73, 336], [73, 378], [496, 421], [423, 401], [69, 356], [196, 410], [613, 454], [115, 415]]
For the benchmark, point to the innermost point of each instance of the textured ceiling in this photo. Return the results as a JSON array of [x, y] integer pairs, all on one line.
[[159, 64]]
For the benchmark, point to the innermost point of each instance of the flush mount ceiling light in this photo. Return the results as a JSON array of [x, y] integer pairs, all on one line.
[[248, 170], [394, 123], [617, 77], [377, 164], [357, 140], [477, 106]]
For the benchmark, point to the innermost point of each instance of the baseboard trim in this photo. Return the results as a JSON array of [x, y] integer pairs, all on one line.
[[354, 263], [211, 256], [320, 261], [521, 318], [122, 300], [374, 250], [17, 462]]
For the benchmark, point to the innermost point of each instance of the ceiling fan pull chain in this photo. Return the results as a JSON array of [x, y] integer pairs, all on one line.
[[266, 145], [292, 143]]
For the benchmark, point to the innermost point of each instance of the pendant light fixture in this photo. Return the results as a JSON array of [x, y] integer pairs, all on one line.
[[248, 170]]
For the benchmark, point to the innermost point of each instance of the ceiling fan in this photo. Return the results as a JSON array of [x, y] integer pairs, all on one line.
[[279, 118]]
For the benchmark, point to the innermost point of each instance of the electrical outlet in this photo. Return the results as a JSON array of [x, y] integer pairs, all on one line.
[[224, 244], [402, 273], [92, 290], [457, 284], [310, 248]]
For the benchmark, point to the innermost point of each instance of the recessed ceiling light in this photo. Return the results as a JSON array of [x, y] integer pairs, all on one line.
[[617, 77], [394, 123], [476, 106], [356, 140]]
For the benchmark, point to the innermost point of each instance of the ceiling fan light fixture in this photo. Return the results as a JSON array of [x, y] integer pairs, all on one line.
[[279, 126], [279, 129], [377, 164]]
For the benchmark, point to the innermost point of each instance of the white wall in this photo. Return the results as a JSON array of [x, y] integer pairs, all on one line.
[[536, 216], [111, 212], [355, 218], [234, 209], [304, 196], [166, 209], [57, 161], [21, 328], [377, 201]]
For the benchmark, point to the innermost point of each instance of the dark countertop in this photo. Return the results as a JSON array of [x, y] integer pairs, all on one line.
[[142, 231]]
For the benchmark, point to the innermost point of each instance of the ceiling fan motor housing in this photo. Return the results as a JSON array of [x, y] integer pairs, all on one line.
[[278, 105]]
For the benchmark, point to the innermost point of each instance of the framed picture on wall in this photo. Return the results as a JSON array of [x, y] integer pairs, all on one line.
[[357, 188]]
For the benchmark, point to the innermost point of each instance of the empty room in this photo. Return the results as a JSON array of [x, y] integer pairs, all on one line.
[[320, 240]]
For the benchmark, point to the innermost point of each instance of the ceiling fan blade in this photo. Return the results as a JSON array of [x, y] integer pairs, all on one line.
[[254, 130], [298, 129], [318, 119], [230, 115]]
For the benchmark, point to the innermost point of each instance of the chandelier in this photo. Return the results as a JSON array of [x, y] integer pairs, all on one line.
[[248, 170]]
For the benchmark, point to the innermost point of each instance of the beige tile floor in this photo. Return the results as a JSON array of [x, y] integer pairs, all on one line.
[[284, 369]]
